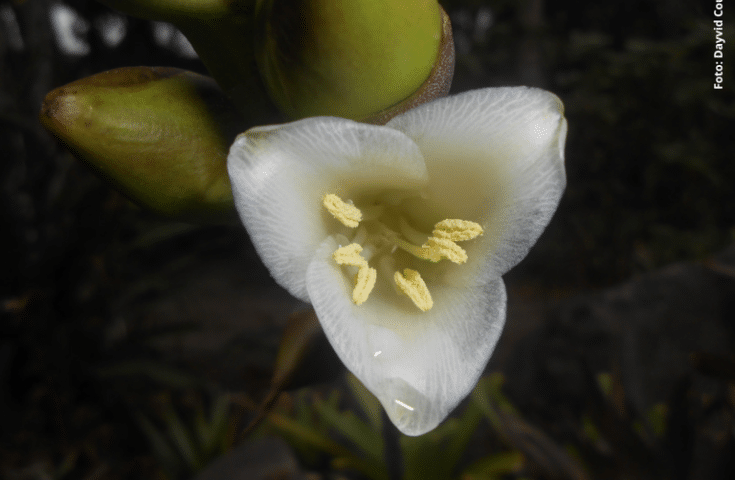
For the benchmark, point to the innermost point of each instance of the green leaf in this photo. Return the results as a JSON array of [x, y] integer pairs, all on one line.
[[307, 435], [164, 452], [220, 422], [182, 439], [158, 372], [481, 397], [494, 466], [369, 403], [349, 425], [657, 418], [460, 438], [423, 455], [212, 432], [435, 455]]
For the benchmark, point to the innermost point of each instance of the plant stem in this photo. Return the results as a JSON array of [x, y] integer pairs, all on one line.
[[392, 453]]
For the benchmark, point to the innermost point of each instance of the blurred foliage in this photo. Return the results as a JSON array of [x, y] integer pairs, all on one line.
[[658, 181], [361, 438], [348, 434], [182, 448]]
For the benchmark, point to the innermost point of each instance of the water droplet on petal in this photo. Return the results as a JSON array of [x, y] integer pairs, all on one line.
[[409, 410]]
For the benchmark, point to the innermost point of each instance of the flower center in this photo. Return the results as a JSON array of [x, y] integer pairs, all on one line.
[[440, 245]]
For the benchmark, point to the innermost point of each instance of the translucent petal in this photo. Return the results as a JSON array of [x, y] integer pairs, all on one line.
[[495, 156], [280, 174], [420, 365]]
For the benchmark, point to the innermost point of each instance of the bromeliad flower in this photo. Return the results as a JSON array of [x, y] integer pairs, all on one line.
[[398, 235]]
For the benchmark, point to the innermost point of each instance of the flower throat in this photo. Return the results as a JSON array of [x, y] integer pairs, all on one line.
[[440, 245]]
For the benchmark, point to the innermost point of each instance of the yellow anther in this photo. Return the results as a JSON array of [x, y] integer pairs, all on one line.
[[457, 230], [381, 238], [364, 284], [349, 255], [414, 287], [434, 250], [443, 248], [348, 215], [366, 276]]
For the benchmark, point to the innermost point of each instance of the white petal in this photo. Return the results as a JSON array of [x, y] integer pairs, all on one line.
[[279, 175], [420, 365], [495, 156]]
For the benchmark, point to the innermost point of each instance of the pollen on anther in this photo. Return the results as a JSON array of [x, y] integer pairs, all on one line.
[[349, 255], [364, 284], [366, 276], [347, 214], [414, 287], [457, 230], [445, 248]]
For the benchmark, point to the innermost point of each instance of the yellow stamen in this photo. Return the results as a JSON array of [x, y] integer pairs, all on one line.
[[366, 276], [349, 255], [435, 249], [440, 245], [414, 287], [457, 230], [364, 284], [348, 215], [444, 248]]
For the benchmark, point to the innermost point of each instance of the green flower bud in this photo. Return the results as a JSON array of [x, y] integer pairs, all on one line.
[[436, 86], [221, 32], [347, 58], [159, 135]]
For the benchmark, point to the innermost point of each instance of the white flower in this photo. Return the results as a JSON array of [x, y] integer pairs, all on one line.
[[347, 216]]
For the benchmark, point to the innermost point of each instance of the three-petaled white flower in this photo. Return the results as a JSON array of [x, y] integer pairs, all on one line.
[[365, 222]]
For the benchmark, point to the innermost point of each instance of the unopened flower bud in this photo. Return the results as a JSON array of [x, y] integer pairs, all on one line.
[[159, 135], [221, 32], [347, 58]]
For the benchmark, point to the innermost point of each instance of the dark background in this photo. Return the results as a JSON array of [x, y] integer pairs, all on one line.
[[109, 313]]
